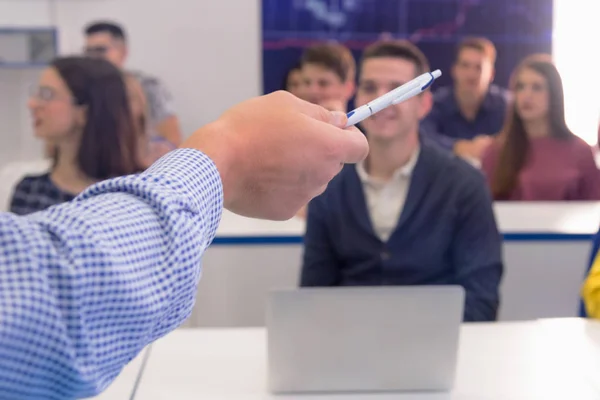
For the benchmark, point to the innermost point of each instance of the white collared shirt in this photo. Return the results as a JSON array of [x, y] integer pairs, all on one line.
[[385, 199]]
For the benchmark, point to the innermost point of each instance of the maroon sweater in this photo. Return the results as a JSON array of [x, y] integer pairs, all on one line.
[[555, 170]]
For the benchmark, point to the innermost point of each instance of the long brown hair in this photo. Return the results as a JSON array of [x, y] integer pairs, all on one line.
[[513, 137], [110, 139]]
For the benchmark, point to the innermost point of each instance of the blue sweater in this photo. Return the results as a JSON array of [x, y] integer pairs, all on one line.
[[446, 234]]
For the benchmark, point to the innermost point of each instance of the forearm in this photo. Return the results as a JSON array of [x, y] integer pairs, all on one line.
[[443, 141], [89, 284], [478, 254], [311, 276]]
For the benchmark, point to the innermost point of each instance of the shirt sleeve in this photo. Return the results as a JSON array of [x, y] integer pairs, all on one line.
[[430, 130], [160, 100], [86, 285], [320, 265], [477, 253]]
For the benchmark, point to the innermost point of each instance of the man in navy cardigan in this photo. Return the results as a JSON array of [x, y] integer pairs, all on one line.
[[411, 214]]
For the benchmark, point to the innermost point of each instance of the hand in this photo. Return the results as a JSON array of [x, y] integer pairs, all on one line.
[[302, 212], [334, 105], [473, 149], [276, 152]]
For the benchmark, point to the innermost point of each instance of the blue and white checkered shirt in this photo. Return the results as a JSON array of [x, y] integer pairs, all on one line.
[[86, 285]]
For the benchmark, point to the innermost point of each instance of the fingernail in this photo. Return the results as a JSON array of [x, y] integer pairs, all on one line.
[[338, 118]]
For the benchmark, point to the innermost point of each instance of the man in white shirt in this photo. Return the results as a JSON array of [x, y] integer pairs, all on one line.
[[410, 213]]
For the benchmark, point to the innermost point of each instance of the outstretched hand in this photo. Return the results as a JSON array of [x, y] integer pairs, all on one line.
[[276, 152]]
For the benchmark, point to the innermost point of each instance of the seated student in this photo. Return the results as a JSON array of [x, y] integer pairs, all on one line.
[[465, 114], [412, 213], [328, 70], [81, 107], [536, 157]]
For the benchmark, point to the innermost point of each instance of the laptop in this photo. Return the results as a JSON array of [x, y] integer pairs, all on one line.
[[363, 339]]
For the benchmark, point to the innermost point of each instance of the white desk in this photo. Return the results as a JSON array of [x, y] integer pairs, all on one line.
[[503, 361], [546, 250]]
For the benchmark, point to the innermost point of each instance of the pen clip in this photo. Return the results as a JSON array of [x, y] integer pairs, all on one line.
[[428, 83]]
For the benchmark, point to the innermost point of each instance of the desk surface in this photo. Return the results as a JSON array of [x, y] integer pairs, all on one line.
[[545, 359], [517, 221]]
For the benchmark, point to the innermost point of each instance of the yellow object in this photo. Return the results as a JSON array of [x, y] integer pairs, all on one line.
[[591, 290]]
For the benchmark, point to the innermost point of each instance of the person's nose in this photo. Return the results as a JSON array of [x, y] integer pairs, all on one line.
[[33, 103], [380, 92], [311, 91]]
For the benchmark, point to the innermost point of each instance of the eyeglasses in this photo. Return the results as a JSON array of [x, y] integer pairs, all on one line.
[[46, 94], [96, 51]]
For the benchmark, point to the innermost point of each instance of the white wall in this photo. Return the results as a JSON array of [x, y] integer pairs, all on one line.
[[16, 138], [15, 13], [575, 28], [207, 52]]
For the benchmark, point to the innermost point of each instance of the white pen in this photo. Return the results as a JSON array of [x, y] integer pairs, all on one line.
[[398, 95]]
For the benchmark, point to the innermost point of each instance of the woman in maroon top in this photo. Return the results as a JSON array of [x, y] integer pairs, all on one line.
[[536, 157]]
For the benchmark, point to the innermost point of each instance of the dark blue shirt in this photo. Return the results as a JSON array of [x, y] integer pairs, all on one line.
[[37, 193], [446, 123], [446, 235]]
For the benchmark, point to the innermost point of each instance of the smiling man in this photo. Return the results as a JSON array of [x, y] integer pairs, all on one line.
[[328, 70], [411, 214]]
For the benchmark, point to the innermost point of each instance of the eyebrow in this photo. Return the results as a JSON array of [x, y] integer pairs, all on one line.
[[394, 84]]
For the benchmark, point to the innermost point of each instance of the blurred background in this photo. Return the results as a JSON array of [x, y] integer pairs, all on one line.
[[214, 54]]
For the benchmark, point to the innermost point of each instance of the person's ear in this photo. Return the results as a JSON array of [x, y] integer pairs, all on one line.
[[81, 113], [426, 103], [453, 72], [349, 89]]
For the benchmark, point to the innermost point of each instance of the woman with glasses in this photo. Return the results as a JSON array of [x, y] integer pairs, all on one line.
[[82, 109]]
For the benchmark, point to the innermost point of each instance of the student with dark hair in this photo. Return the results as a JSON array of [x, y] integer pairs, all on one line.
[[82, 109], [537, 157], [329, 71], [410, 213], [108, 40]]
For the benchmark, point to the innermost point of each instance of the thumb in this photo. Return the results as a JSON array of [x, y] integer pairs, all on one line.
[[320, 113], [338, 119], [354, 145]]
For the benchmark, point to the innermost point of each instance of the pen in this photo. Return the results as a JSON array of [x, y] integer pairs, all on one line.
[[398, 95]]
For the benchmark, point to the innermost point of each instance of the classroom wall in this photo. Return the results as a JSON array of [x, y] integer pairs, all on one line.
[[207, 52]]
